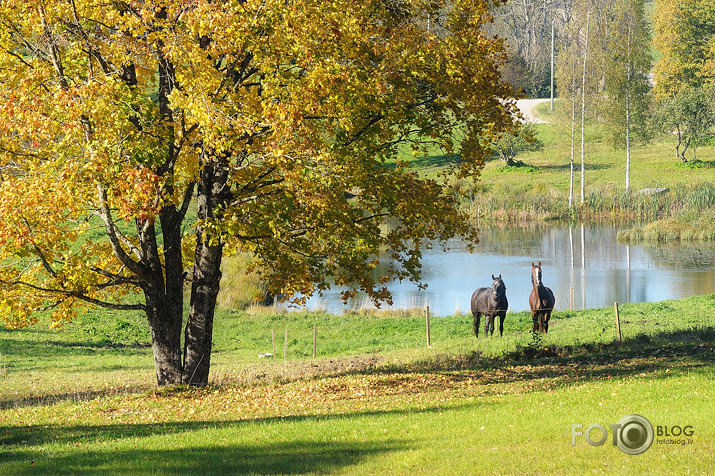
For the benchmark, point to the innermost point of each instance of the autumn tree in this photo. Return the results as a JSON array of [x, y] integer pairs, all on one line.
[[685, 75], [274, 118], [684, 34]]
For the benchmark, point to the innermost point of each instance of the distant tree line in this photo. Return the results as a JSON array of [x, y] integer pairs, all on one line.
[[605, 69], [527, 26]]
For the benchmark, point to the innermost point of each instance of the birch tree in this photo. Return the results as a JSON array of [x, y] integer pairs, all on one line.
[[627, 61]]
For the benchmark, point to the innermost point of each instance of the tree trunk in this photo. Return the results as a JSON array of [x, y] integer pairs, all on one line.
[[681, 142], [164, 287], [583, 114], [573, 129], [199, 327], [212, 195], [165, 296], [628, 114], [165, 339]]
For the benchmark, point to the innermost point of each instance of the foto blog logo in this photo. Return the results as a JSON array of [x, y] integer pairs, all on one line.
[[633, 434]]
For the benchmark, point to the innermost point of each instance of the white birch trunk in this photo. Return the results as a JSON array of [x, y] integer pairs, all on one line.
[[583, 114]]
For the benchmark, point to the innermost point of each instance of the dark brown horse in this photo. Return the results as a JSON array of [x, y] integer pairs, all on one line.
[[541, 301], [491, 302]]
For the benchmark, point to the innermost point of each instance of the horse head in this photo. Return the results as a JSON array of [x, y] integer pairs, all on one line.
[[536, 274], [498, 287]]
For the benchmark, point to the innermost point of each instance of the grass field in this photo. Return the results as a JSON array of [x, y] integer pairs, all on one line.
[[375, 400], [537, 188]]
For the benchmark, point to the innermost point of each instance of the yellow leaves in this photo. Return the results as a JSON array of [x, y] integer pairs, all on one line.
[[16, 315], [683, 35], [373, 392], [303, 101], [136, 192]]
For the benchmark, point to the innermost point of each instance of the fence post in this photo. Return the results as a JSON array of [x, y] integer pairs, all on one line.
[[285, 346], [429, 337], [571, 298], [618, 322], [273, 339], [315, 339]]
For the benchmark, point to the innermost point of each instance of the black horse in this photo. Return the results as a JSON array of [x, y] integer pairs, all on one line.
[[490, 302]]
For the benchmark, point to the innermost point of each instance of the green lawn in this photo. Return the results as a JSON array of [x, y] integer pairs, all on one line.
[[376, 400]]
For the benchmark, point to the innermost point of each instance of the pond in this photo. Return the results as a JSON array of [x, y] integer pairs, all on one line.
[[584, 265]]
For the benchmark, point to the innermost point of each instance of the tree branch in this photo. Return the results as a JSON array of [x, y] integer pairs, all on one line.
[[77, 295], [114, 237], [54, 50]]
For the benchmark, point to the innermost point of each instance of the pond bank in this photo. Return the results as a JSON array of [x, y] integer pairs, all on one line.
[[584, 265], [679, 214]]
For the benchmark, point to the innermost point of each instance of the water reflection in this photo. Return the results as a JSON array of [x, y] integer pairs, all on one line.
[[584, 266]]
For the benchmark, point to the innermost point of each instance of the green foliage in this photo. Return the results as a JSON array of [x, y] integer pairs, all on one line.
[[627, 61], [518, 166], [691, 114], [522, 139]]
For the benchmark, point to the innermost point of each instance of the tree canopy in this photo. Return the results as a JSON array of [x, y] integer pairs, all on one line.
[[685, 36], [279, 121], [690, 116]]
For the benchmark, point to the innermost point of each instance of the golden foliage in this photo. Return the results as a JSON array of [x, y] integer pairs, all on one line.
[[114, 114]]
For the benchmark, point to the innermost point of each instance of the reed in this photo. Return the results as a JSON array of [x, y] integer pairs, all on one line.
[[540, 204], [688, 226], [240, 288]]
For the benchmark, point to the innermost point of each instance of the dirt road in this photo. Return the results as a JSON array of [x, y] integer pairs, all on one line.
[[527, 105]]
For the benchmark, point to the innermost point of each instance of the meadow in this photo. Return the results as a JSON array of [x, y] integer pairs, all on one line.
[[81, 400], [537, 188], [375, 399]]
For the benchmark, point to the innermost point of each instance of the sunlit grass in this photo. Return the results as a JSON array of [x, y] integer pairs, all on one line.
[[506, 404], [538, 190]]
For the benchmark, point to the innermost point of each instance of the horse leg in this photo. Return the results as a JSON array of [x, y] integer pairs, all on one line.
[[489, 323], [501, 324], [475, 326], [547, 316], [535, 319]]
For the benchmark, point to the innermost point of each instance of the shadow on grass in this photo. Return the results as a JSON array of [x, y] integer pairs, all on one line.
[[567, 166], [283, 457], [45, 355], [47, 348], [683, 350], [74, 396], [436, 161], [258, 456]]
